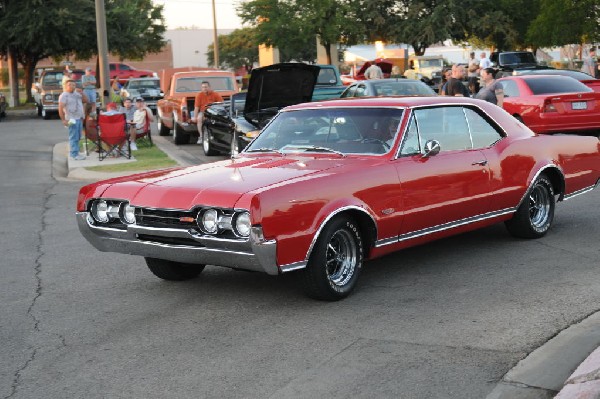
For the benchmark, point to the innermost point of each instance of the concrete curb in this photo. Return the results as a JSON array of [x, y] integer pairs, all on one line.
[[546, 370]]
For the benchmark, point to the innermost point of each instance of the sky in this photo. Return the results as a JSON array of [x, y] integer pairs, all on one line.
[[198, 13]]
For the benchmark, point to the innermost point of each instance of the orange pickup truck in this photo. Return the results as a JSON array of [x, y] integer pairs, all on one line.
[[180, 86]]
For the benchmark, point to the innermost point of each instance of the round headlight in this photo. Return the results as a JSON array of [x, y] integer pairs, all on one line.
[[100, 211], [242, 224], [48, 97], [210, 220], [128, 214]]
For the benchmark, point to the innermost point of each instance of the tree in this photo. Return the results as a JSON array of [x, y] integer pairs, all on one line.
[[236, 49], [58, 28], [293, 25], [562, 22]]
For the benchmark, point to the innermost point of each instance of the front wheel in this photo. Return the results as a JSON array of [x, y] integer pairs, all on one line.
[[335, 262], [173, 271], [179, 135], [162, 129], [45, 114], [206, 144], [534, 216]]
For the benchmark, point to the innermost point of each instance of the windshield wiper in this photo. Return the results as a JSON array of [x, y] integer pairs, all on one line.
[[264, 149], [314, 148]]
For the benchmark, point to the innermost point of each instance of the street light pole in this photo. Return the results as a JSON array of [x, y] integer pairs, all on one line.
[[215, 38], [102, 51]]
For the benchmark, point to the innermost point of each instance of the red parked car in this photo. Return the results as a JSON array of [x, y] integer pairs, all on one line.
[[328, 185], [124, 72], [551, 103]]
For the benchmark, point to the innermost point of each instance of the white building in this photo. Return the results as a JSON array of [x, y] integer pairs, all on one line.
[[189, 46]]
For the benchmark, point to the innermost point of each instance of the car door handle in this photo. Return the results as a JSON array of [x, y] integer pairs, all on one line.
[[483, 162]]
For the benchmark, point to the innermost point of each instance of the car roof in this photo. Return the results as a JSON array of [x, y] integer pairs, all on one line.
[[561, 72], [400, 101]]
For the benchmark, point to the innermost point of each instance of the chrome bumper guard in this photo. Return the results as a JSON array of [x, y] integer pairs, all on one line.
[[254, 254]]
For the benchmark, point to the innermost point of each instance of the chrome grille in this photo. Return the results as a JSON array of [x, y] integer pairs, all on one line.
[[161, 218]]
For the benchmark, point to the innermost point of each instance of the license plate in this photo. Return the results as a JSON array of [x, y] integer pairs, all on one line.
[[579, 105]]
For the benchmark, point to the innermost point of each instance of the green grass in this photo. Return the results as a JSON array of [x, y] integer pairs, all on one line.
[[146, 158]]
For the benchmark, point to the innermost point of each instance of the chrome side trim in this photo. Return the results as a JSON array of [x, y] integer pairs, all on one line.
[[582, 191], [293, 266], [328, 218], [442, 227]]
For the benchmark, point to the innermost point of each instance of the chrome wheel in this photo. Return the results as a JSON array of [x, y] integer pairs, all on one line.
[[539, 206], [341, 258], [206, 145]]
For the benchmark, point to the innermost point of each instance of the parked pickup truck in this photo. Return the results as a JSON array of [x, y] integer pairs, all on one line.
[[124, 72], [507, 62], [45, 92], [180, 88], [329, 84]]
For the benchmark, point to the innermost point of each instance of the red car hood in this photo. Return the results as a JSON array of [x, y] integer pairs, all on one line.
[[218, 184]]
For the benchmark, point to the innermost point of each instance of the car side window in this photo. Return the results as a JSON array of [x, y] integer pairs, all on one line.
[[124, 67], [447, 125], [360, 91], [112, 67], [483, 133], [510, 88], [410, 144]]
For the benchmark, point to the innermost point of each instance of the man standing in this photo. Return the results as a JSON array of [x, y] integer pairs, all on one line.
[[455, 86], [205, 97], [492, 90], [589, 63], [484, 62], [70, 109], [373, 72], [473, 68], [88, 82]]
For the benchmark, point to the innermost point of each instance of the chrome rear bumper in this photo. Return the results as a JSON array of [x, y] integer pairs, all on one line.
[[255, 254]]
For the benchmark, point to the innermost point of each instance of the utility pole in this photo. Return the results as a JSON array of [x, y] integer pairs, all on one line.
[[104, 77], [215, 38]]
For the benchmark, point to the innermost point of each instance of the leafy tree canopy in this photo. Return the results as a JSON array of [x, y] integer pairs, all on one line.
[[236, 49]]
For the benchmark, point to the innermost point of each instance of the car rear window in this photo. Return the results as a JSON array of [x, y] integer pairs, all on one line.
[[556, 84]]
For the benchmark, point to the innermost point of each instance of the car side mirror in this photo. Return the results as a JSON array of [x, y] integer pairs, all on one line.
[[431, 148]]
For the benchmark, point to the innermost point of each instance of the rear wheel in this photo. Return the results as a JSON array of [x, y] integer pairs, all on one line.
[[335, 262], [206, 144], [162, 129], [173, 271], [534, 216], [179, 135]]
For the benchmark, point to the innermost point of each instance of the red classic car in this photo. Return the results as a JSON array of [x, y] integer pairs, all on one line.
[[551, 103], [327, 185]]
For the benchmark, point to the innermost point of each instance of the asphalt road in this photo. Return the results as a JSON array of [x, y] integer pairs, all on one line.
[[444, 320]]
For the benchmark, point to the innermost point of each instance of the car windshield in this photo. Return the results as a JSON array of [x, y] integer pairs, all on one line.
[[370, 131], [403, 87], [193, 84], [52, 78], [143, 84], [565, 72], [437, 63], [326, 77], [517, 58], [555, 85]]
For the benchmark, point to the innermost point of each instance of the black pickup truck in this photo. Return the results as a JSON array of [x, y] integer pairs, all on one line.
[[509, 62]]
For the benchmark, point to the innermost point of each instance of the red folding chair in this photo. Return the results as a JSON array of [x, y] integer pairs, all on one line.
[[112, 132], [91, 135], [145, 133]]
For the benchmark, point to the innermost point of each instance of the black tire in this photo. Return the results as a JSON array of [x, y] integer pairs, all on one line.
[[179, 135], [162, 129], [534, 216], [206, 144], [173, 271], [335, 262], [45, 115]]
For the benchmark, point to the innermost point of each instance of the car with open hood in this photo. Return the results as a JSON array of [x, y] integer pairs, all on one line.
[[229, 126], [329, 185]]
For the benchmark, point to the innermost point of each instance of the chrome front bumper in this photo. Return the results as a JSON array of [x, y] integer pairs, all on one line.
[[255, 254]]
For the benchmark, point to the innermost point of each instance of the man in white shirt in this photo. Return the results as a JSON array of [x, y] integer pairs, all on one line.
[[374, 72], [484, 62]]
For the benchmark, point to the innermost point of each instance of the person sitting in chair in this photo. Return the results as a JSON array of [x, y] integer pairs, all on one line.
[[142, 112]]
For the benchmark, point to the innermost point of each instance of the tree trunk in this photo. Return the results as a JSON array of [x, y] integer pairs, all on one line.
[[29, 67], [327, 51], [13, 76]]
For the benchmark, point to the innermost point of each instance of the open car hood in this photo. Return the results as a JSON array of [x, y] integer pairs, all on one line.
[[385, 65], [276, 86]]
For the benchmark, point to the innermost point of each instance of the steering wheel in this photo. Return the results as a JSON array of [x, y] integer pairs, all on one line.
[[373, 140]]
